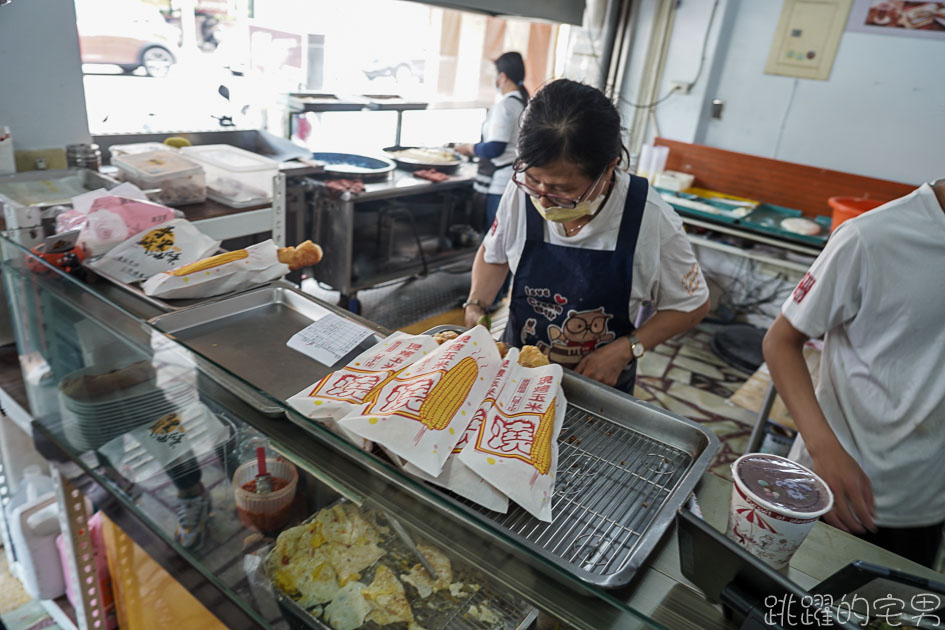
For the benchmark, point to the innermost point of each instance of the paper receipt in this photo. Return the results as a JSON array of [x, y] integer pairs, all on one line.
[[329, 338]]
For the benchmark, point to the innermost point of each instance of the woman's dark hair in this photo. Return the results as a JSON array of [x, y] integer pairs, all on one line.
[[512, 64], [572, 121]]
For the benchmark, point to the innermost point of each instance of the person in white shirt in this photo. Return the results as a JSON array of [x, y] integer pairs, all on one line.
[[874, 430], [496, 151], [587, 244]]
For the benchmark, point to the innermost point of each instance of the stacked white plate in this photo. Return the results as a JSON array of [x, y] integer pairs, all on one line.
[[89, 424]]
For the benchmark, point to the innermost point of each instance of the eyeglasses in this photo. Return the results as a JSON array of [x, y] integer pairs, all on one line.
[[558, 200]]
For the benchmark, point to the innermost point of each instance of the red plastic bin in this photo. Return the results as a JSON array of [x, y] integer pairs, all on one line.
[[849, 207]]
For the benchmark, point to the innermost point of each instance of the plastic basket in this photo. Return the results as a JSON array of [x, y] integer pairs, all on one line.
[[845, 208]]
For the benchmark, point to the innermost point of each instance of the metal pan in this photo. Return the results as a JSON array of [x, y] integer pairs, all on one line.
[[624, 469], [439, 610], [411, 164], [248, 332], [353, 165]]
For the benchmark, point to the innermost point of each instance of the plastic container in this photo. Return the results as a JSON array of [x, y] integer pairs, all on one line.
[[845, 208], [775, 503], [117, 150], [267, 513], [180, 180], [33, 516], [235, 177]]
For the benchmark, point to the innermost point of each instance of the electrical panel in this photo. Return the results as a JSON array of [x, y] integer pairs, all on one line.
[[806, 40]]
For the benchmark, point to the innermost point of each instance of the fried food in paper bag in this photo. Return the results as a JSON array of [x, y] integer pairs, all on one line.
[[345, 391], [456, 475], [516, 447], [531, 356], [420, 414]]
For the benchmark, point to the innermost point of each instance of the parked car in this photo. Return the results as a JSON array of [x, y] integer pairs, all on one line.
[[127, 34]]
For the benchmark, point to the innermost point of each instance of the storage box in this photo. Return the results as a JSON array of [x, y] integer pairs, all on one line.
[[235, 177], [181, 181], [134, 148]]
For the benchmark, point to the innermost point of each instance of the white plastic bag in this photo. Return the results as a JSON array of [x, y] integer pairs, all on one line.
[[161, 248], [232, 271]]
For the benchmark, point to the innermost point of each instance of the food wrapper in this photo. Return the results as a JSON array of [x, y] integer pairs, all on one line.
[[351, 388], [160, 248], [456, 475], [421, 413], [232, 271], [516, 447], [107, 219]]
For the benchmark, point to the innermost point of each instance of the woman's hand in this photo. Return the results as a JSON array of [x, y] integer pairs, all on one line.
[[606, 363], [853, 502], [472, 315], [465, 149]]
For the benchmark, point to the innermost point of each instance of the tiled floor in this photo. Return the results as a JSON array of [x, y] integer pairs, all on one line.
[[686, 377]]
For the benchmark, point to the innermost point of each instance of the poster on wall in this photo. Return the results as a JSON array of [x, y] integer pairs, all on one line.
[[898, 17]]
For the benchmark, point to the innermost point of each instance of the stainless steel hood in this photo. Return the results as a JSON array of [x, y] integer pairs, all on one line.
[[562, 11]]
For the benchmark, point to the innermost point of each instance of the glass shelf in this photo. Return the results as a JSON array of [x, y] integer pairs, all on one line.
[[151, 422]]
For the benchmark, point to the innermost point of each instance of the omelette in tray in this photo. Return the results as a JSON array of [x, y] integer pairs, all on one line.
[[344, 568]]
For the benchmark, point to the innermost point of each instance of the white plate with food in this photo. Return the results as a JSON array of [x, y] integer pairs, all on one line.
[[413, 158]]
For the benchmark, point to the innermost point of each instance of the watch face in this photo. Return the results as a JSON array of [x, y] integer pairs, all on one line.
[[637, 349]]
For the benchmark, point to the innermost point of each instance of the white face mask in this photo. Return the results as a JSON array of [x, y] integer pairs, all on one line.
[[558, 214]]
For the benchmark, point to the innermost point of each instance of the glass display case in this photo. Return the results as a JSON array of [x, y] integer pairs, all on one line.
[[154, 434]]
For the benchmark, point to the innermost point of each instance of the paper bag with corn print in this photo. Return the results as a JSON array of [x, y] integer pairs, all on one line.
[[516, 447], [422, 412], [349, 389], [456, 475]]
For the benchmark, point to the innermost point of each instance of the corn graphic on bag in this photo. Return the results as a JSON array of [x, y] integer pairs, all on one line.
[[516, 447], [421, 413], [349, 389], [223, 273], [456, 475]]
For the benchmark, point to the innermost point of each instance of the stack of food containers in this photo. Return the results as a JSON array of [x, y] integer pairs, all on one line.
[[180, 180]]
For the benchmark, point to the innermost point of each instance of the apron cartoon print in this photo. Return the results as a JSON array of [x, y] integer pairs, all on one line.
[[570, 301]]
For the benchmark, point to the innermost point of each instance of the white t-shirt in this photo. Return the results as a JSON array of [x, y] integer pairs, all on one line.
[[501, 125], [878, 293], [665, 270]]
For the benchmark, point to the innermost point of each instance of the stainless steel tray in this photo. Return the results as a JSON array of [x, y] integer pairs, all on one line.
[[439, 610], [624, 469], [245, 335], [135, 290], [50, 188]]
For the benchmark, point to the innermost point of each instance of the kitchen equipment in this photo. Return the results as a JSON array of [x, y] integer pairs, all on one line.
[[180, 180], [235, 177], [462, 235], [50, 188], [624, 468], [353, 165], [84, 156], [68, 260], [266, 512], [438, 611], [237, 330], [416, 162]]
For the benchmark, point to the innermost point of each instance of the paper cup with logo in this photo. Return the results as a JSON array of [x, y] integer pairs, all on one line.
[[775, 503]]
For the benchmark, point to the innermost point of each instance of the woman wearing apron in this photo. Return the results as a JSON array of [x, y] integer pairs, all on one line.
[[496, 152], [587, 244]]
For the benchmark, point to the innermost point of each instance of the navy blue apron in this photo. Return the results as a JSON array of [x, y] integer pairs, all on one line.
[[569, 301]]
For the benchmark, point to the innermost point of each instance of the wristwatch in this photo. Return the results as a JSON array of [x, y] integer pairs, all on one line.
[[636, 347], [473, 302]]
